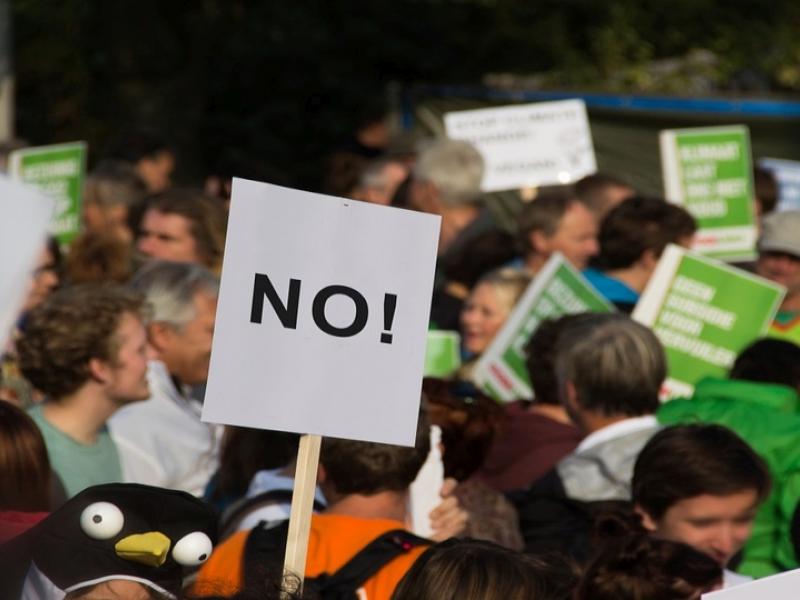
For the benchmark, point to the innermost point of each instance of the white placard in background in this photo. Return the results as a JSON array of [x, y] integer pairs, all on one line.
[[306, 339], [783, 586], [529, 145], [24, 217]]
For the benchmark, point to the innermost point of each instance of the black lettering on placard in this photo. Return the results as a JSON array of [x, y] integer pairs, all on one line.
[[287, 313], [318, 311]]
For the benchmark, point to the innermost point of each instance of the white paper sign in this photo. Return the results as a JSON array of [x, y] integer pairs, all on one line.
[[24, 218], [425, 491], [529, 145], [322, 317], [783, 586]]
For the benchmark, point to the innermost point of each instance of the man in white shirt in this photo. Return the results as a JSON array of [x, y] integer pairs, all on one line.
[[162, 441]]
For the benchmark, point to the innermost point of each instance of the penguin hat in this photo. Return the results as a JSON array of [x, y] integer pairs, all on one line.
[[116, 531]]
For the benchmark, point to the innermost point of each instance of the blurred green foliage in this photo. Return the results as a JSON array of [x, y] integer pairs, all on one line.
[[286, 81]]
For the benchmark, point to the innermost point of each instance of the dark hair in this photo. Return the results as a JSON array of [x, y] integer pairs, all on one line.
[[96, 257], [469, 421], [765, 188], [25, 474], [478, 256], [69, 328], [207, 220], [367, 468], [616, 364], [769, 361], [540, 359], [543, 214], [639, 224], [641, 567], [468, 569], [685, 461], [591, 190], [114, 182], [246, 451]]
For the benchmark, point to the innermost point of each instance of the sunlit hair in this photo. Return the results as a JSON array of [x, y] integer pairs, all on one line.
[[454, 167]]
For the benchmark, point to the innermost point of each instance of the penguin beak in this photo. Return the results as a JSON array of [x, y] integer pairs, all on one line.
[[146, 548]]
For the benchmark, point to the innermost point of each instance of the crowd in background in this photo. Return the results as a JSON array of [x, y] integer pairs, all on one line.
[[593, 490]]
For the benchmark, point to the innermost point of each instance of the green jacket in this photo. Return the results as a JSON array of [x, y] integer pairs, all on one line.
[[767, 417]]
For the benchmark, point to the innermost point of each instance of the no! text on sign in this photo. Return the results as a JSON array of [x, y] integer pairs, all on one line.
[[529, 145], [322, 316]]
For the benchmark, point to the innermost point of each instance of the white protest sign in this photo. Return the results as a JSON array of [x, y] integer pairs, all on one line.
[[529, 145], [322, 315], [783, 586], [24, 217]]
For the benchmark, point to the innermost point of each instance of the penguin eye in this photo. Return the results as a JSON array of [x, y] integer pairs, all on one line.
[[192, 549], [102, 520]]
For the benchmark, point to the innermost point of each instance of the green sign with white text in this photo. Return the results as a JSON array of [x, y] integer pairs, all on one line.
[[558, 289], [58, 171], [705, 313], [709, 172]]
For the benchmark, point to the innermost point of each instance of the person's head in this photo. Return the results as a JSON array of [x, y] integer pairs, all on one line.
[[468, 420], [97, 257], [183, 298], [557, 222], [379, 181], [447, 173], [602, 192], [635, 233], [24, 464], [488, 306], [368, 468], [765, 190], [469, 569], [87, 335], [540, 359], [116, 589], [769, 361], [479, 255], [45, 277], [608, 366], [184, 225], [149, 154], [110, 191], [700, 485], [779, 250], [640, 567]]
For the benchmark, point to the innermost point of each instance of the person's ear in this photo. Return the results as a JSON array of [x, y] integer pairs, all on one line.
[[648, 260], [160, 336], [99, 370], [647, 521], [540, 243]]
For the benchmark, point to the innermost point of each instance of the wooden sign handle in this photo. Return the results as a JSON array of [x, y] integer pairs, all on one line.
[[305, 484]]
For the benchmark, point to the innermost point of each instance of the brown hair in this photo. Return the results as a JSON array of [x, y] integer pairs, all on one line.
[[468, 569], [685, 461], [206, 216], [97, 258], [639, 224], [544, 214], [24, 466], [641, 567], [68, 329], [367, 468]]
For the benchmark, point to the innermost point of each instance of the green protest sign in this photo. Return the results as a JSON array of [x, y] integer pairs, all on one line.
[[558, 289], [709, 171], [704, 312], [58, 171], [442, 353]]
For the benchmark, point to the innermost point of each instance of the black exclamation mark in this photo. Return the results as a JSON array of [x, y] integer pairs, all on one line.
[[389, 304]]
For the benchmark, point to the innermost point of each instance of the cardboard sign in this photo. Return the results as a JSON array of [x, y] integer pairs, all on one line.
[[782, 586], [322, 315], [704, 312], [529, 145], [58, 171], [787, 174], [558, 289], [442, 353], [24, 215], [709, 172]]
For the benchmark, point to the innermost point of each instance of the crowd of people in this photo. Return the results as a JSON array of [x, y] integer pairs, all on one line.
[[111, 486]]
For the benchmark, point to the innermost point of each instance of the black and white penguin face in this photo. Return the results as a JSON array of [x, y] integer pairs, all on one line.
[[124, 531]]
